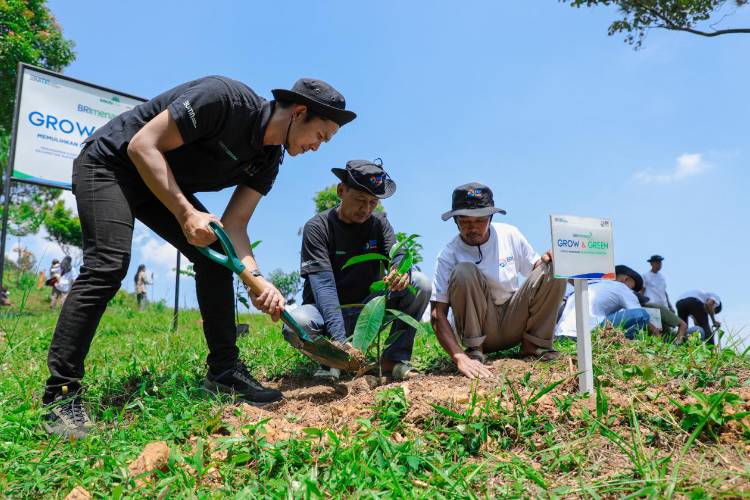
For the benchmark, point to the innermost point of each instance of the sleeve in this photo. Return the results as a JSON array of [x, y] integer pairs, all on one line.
[[263, 181], [629, 299], [389, 236], [202, 110], [323, 286], [526, 255], [443, 268], [314, 256]]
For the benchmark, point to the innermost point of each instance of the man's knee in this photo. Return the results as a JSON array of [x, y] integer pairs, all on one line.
[[308, 317], [422, 284], [463, 274], [105, 270]]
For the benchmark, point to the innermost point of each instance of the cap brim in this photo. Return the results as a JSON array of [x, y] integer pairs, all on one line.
[[343, 175], [655, 260], [340, 116], [473, 212]]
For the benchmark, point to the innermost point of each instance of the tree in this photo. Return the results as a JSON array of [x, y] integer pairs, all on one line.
[[63, 227], [30, 34], [691, 16], [288, 284]]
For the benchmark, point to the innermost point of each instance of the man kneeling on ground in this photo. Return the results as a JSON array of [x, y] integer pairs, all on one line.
[[336, 235], [611, 301], [477, 276]]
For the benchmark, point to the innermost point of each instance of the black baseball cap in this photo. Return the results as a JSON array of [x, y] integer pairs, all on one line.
[[655, 258], [474, 200], [367, 176], [627, 271], [319, 97]]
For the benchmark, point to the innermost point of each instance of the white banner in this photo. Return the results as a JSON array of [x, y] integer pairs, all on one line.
[[582, 247], [54, 115]]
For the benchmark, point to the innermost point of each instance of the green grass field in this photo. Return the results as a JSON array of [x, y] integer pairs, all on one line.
[[666, 420]]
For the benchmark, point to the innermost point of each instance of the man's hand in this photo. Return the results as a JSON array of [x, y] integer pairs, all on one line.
[[196, 229], [471, 367], [395, 281], [717, 324], [270, 301], [546, 258]]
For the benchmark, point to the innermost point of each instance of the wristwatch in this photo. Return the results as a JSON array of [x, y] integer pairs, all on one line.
[[256, 273]]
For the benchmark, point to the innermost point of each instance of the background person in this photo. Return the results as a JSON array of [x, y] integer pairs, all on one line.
[[701, 306], [141, 281]]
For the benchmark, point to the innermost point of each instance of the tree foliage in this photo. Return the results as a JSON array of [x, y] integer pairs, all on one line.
[[63, 227], [289, 284], [699, 17]]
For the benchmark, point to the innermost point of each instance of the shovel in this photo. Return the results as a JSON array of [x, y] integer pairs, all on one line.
[[315, 347]]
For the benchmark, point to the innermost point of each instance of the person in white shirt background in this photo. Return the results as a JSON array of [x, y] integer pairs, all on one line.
[[655, 285], [700, 305], [610, 301], [476, 276]]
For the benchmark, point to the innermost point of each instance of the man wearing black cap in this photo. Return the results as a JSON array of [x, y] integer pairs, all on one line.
[[611, 301], [334, 236], [477, 276], [146, 164]]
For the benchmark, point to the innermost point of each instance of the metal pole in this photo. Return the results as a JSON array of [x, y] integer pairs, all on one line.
[[8, 170], [176, 293], [583, 336]]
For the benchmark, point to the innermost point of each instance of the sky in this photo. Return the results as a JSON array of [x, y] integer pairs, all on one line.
[[530, 98]]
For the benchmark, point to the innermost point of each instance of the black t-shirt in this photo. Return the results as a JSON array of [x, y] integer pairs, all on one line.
[[327, 243], [222, 123]]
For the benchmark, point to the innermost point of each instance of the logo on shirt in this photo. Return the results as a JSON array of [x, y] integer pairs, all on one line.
[[371, 245], [227, 151], [506, 261], [191, 113]]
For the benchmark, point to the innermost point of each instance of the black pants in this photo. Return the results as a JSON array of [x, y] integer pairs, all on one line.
[[695, 308], [108, 199]]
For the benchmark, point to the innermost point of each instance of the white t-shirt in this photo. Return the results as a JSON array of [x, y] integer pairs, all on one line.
[[700, 295], [656, 288], [504, 256], [605, 297], [65, 282]]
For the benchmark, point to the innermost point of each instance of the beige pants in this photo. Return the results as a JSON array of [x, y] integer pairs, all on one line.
[[484, 319]]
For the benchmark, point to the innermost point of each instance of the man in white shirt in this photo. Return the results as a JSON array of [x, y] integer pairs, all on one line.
[[655, 286], [612, 301], [477, 276], [700, 305]]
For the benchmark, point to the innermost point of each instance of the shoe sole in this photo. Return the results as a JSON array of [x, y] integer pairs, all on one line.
[[65, 432], [214, 388]]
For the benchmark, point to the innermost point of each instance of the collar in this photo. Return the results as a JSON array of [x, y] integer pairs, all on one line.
[[261, 123]]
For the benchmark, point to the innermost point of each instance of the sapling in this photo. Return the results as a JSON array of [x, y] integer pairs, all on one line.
[[376, 320]]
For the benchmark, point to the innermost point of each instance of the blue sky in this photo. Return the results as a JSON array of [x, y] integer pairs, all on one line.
[[531, 98]]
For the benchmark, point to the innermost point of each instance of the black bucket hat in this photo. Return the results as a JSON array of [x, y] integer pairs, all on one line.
[[627, 271], [473, 199], [367, 176], [319, 97], [655, 258]]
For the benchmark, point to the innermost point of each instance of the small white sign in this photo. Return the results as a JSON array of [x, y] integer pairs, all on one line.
[[654, 317], [582, 247]]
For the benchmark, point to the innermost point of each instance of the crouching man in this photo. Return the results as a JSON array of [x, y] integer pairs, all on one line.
[[334, 236], [477, 277]]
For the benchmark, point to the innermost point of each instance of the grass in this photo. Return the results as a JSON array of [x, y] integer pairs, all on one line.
[[665, 421]]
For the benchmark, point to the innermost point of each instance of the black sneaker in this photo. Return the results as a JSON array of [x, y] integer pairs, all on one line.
[[66, 416], [237, 380]]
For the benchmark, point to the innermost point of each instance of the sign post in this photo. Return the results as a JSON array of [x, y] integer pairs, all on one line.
[[582, 250]]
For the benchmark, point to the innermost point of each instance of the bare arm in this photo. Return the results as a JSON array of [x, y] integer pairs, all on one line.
[[444, 332], [235, 220], [146, 150]]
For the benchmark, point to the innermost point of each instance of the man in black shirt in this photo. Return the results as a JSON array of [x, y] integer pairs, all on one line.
[[334, 236], [147, 163]]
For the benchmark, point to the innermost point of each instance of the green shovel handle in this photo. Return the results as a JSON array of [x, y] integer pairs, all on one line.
[[230, 260]]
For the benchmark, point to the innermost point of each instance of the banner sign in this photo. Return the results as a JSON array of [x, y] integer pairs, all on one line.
[[54, 114], [582, 247]]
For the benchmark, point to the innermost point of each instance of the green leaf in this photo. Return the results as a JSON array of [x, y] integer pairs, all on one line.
[[378, 286], [406, 263], [255, 244], [395, 248], [406, 318], [365, 257], [369, 323]]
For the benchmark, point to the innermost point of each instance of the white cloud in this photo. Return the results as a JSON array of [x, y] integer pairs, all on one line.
[[688, 165]]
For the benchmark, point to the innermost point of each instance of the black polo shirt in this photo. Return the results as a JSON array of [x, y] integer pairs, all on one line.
[[222, 123], [327, 243]]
